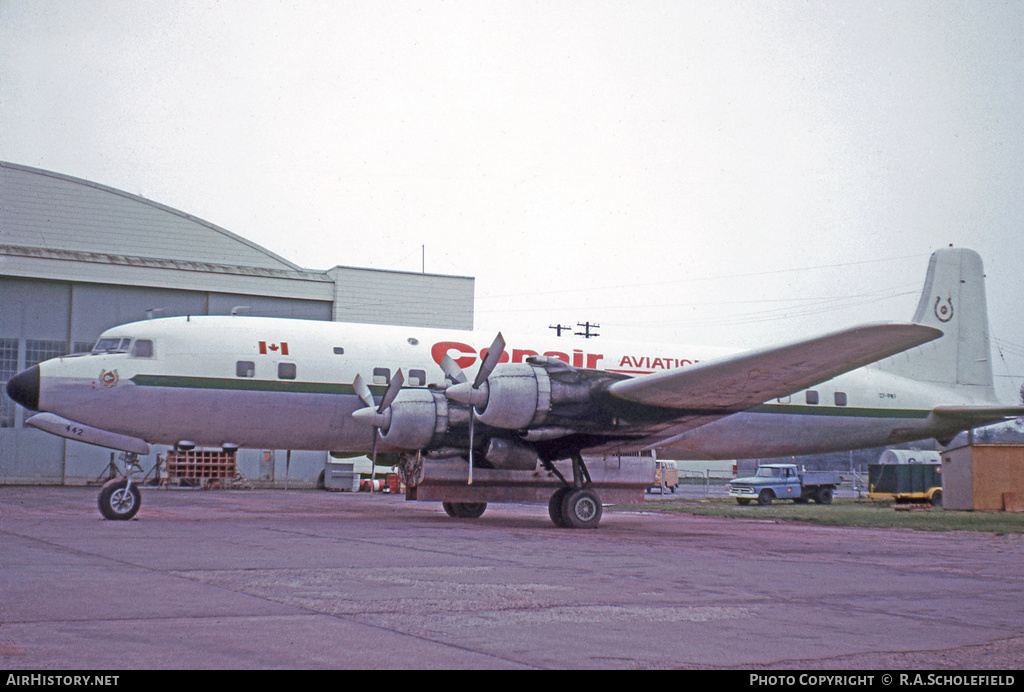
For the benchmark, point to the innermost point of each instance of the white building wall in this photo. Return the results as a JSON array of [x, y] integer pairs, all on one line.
[[403, 298]]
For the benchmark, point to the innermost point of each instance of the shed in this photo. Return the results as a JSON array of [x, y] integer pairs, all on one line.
[[986, 477]]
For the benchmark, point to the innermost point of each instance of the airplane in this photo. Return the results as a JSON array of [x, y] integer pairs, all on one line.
[[521, 403]]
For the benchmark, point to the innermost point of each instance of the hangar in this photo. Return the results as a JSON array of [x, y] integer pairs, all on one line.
[[77, 257]]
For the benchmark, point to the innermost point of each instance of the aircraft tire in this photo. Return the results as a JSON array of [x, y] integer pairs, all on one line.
[[118, 501], [464, 510], [581, 509], [555, 506]]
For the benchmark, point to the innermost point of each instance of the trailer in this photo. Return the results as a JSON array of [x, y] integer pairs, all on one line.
[[906, 483]]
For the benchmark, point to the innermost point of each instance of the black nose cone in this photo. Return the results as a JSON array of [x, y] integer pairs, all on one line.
[[24, 388]]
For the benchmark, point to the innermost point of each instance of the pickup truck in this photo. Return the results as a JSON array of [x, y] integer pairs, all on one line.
[[785, 482]]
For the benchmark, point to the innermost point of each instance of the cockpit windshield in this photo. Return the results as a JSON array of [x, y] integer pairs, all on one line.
[[139, 348], [112, 345]]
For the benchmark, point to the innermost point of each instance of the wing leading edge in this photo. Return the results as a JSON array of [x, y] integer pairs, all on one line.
[[740, 382]]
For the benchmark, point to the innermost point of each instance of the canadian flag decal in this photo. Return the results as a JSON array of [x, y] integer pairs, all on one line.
[[266, 348]]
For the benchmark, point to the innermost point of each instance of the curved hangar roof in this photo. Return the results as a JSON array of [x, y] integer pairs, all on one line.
[[57, 212], [54, 225]]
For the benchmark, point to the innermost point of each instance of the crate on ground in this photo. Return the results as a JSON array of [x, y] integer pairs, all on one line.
[[201, 465]]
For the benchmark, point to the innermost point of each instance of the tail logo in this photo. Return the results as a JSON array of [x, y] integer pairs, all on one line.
[[944, 313]]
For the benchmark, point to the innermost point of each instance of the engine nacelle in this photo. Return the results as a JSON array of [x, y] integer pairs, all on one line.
[[518, 396], [416, 419], [504, 454]]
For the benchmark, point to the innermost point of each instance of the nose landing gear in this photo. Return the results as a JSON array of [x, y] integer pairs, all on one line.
[[120, 498]]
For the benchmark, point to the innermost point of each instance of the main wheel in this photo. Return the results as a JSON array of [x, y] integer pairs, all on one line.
[[118, 500], [555, 506], [464, 510], [581, 509]]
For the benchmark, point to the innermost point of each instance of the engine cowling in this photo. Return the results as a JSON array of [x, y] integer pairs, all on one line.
[[416, 419], [518, 396]]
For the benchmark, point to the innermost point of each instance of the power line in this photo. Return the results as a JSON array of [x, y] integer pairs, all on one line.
[[693, 279]]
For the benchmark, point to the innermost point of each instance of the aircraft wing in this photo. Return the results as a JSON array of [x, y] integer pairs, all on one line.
[[740, 382]]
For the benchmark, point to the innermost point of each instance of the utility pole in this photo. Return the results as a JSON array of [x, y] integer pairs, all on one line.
[[587, 326]]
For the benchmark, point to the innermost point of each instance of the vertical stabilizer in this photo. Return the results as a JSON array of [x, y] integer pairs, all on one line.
[[953, 300]]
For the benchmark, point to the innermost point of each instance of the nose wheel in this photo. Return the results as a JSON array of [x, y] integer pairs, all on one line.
[[119, 499]]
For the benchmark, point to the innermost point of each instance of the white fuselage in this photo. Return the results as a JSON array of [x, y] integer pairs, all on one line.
[[287, 384]]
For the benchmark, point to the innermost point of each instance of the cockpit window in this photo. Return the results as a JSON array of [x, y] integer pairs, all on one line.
[[114, 345], [142, 348]]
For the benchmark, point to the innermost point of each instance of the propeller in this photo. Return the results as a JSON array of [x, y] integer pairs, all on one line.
[[377, 417], [475, 394]]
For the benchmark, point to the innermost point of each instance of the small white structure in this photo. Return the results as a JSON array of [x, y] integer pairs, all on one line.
[[909, 456]]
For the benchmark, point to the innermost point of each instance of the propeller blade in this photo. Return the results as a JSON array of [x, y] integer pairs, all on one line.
[[452, 370], [394, 386], [472, 417], [373, 459], [363, 392], [491, 360]]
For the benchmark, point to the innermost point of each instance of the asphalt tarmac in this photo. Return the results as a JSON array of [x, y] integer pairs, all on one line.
[[303, 579]]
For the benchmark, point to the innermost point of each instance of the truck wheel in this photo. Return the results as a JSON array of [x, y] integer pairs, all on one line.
[[937, 498], [765, 497], [743, 500], [824, 496]]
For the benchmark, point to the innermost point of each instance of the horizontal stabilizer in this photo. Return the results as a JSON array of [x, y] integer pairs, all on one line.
[[979, 415], [740, 382], [56, 425]]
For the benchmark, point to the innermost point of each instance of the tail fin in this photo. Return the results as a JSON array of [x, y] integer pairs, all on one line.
[[953, 300]]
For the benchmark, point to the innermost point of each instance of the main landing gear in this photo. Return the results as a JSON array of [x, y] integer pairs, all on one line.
[[575, 506]]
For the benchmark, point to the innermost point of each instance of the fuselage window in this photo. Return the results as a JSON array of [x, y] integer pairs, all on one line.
[[418, 378], [840, 398], [286, 371], [142, 348], [339, 351], [812, 397], [381, 375], [245, 368]]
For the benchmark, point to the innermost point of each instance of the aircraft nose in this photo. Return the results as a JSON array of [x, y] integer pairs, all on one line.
[[24, 388]]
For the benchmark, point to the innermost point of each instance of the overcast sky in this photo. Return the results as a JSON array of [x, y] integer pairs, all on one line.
[[697, 172]]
